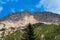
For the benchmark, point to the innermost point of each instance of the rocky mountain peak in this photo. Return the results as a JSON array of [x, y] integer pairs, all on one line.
[[19, 19]]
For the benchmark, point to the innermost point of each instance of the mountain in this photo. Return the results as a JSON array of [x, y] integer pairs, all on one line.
[[47, 17], [20, 19]]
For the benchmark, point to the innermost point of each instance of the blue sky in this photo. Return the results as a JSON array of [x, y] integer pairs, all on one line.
[[8, 6]]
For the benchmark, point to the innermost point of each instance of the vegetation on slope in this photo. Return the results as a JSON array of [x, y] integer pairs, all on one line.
[[40, 31]]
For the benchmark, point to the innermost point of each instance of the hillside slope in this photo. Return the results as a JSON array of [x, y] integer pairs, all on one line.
[[20, 19]]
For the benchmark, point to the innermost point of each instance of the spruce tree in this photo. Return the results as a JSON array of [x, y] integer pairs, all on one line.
[[29, 33]]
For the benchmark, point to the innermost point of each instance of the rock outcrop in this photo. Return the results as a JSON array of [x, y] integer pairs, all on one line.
[[20, 19]]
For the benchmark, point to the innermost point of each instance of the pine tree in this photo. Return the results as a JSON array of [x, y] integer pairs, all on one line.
[[29, 33]]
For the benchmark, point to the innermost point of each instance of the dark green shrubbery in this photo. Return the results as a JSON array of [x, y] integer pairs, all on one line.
[[29, 33]]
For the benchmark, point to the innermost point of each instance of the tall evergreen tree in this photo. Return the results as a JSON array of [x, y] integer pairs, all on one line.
[[29, 33]]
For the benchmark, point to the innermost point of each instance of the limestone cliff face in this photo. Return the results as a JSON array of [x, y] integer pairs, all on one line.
[[20, 19]]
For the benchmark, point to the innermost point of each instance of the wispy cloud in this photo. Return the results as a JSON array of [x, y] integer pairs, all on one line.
[[50, 5], [1, 8], [13, 10], [21, 10], [12, 0], [41, 2], [2, 2]]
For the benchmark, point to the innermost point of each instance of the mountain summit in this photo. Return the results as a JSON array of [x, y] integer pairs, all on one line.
[[23, 18]]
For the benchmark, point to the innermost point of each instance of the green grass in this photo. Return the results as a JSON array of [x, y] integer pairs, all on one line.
[[49, 31]]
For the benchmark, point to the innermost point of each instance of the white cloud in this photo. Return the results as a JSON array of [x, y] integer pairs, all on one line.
[[50, 5], [1, 8], [40, 3], [2, 2]]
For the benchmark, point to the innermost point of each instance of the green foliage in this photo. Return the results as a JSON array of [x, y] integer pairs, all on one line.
[[14, 36], [34, 32], [29, 33]]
